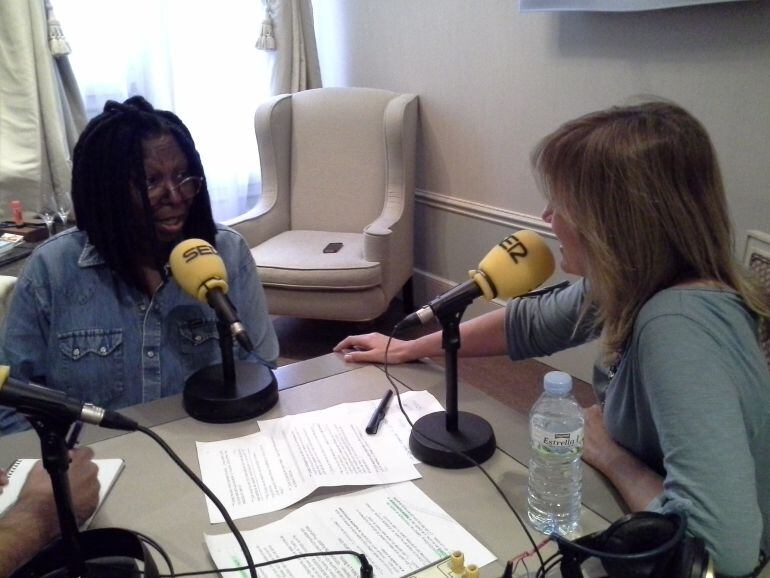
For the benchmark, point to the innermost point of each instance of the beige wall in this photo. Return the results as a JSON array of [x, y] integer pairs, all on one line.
[[492, 81]]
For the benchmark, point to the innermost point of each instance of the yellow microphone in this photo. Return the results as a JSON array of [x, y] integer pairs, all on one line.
[[518, 264], [199, 270]]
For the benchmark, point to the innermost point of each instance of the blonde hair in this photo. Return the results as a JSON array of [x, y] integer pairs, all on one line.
[[642, 187]]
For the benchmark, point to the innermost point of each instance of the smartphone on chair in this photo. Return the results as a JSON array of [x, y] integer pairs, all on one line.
[[332, 247]]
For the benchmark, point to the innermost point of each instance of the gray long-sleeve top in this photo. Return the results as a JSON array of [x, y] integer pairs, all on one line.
[[690, 398]]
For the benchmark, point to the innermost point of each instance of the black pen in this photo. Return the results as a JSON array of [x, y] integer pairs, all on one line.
[[72, 439], [379, 413]]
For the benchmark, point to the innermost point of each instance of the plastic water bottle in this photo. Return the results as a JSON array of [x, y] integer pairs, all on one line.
[[555, 469]]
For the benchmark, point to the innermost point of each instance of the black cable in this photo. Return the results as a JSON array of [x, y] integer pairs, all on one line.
[[548, 565], [361, 558], [553, 565], [366, 567], [459, 453], [158, 548], [204, 488], [545, 290]]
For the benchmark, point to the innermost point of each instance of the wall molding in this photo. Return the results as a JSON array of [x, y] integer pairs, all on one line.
[[483, 212]]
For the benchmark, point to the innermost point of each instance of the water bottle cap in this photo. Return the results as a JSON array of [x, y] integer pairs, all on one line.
[[557, 382]]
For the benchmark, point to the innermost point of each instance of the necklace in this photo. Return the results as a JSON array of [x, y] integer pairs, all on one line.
[[612, 371]]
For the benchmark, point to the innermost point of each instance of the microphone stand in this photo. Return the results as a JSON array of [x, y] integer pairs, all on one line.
[[231, 391], [101, 553], [56, 461], [437, 438]]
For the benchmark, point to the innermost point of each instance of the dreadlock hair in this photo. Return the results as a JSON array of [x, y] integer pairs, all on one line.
[[108, 173]]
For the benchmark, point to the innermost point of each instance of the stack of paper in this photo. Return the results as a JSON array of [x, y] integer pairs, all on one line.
[[395, 525], [398, 527], [8, 241], [295, 455]]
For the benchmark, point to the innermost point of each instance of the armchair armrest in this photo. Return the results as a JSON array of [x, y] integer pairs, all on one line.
[[388, 239], [258, 223]]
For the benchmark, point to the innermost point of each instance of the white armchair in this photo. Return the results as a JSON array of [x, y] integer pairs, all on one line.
[[7, 283], [338, 165]]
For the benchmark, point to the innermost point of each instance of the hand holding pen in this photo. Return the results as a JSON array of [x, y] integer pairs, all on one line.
[[379, 413]]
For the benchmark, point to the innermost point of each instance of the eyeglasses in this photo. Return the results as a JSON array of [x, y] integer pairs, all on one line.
[[186, 188]]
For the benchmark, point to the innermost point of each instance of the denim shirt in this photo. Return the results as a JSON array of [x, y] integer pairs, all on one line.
[[74, 325]]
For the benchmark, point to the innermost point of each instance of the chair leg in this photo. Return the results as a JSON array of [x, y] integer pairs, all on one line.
[[408, 296]]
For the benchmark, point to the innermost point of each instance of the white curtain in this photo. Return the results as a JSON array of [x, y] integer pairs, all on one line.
[[41, 112], [194, 57]]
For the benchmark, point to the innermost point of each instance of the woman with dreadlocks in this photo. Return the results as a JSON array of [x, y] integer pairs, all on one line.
[[95, 313]]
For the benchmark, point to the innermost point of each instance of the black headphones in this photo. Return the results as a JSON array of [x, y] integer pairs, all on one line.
[[107, 552], [639, 545]]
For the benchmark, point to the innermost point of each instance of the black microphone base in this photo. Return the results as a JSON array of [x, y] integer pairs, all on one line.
[[107, 553], [207, 398], [474, 438]]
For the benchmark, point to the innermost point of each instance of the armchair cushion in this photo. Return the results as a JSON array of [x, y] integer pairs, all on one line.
[[295, 259]]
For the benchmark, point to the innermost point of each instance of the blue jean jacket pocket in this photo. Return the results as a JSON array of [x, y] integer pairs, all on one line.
[[196, 332], [92, 368]]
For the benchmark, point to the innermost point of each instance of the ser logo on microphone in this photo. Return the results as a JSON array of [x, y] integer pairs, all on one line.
[[515, 248], [194, 252]]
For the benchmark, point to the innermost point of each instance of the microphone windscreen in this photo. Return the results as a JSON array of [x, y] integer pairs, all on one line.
[[518, 264], [198, 268]]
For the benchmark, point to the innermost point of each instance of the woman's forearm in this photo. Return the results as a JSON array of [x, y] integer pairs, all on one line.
[[638, 484], [480, 336]]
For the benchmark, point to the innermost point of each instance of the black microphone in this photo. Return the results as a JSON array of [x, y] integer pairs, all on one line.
[[515, 266], [200, 272], [34, 399], [457, 296]]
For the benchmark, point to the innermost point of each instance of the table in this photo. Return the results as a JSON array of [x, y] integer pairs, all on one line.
[[154, 497], [14, 264]]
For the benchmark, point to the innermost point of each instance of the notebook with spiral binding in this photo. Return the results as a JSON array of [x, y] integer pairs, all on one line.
[[109, 470]]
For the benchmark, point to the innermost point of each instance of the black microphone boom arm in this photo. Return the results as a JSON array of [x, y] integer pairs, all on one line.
[[37, 400], [454, 300], [227, 314]]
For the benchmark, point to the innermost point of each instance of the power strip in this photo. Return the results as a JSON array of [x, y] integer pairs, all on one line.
[[453, 566]]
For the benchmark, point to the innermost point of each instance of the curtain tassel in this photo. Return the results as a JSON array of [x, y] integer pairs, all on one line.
[[266, 40], [57, 43]]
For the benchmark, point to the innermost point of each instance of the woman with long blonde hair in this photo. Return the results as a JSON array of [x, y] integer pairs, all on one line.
[[636, 200]]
